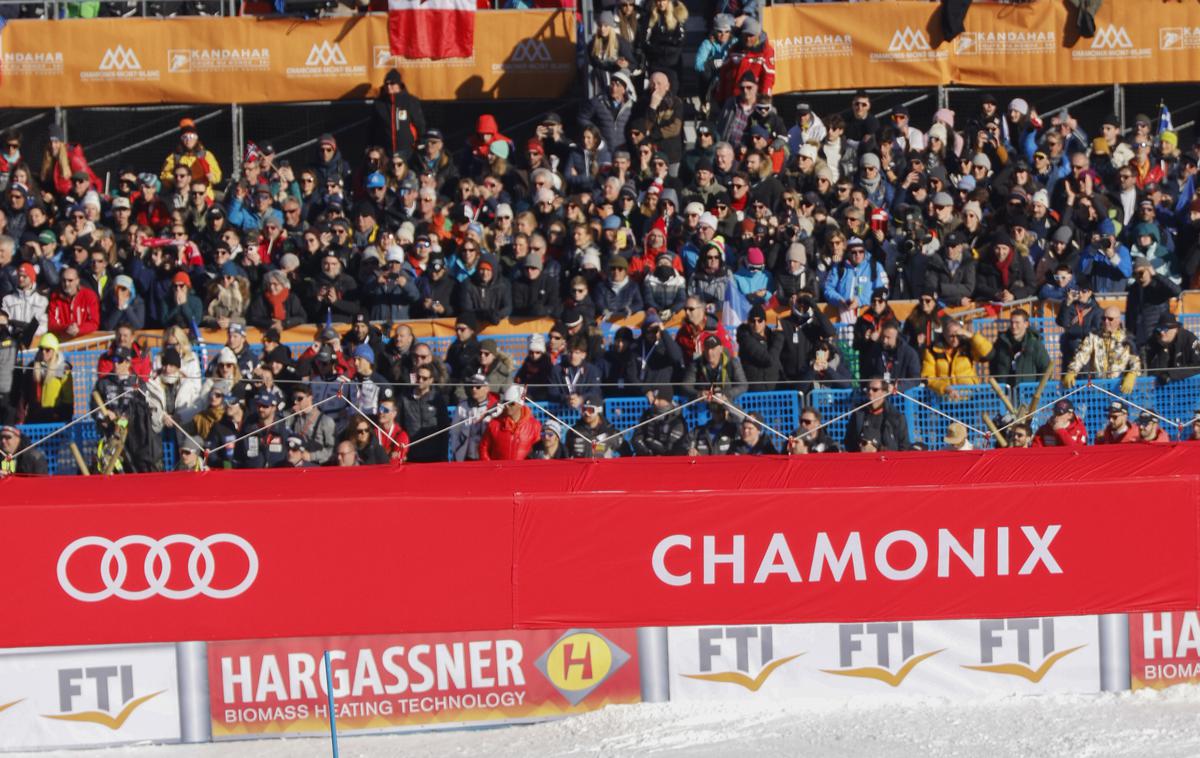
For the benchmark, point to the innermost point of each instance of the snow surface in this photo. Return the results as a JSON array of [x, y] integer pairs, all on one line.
[[1145, 723]]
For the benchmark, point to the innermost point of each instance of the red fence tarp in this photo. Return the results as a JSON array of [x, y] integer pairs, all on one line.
[[448, 547]]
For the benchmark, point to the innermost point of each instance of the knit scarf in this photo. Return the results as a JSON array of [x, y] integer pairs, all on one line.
[[278, 302]]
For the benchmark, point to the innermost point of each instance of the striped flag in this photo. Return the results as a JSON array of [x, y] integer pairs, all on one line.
[[1164, 119], [431, 28]]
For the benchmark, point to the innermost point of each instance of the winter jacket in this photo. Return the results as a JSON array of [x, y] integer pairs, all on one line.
[[1073, 435], [951, 287], [470, 422], [585, 442], [259, 312], [1108, 356], [318, 431], [886, 425], [1108, 437], [847, 282], [1078, 320], [510, 440], [727, 377], [655, 365], [1176, 361], [611, 119], [583, 380], [901, 366], [664, 296], [760, 357], [716, 439], [134, 313], [664, 433], [800, 334], [662, 46], [1106, 275], [26, 307], [397, 123], [989, 283], [944, 367], [53, 400], [758, 61], [420, 417], [611, 301], [83, 310], [538, 298], [1013, 362], [1144, 306], [392, 301], [491, 303]]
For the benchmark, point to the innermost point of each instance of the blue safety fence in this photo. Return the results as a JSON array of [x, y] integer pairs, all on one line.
[[925, 424], [779, 410], [57, 449], [973, 402], [1047, 329], [1175, 401]]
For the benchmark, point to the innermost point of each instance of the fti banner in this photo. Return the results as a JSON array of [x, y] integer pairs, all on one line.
[[80, 62], [395, 682], [947, 658], [900, 44], [1164, 649], [77, 697]]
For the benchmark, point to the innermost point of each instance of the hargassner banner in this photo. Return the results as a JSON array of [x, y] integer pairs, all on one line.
[[1164, 649], [990, 656], [75, 697], [267, 688]]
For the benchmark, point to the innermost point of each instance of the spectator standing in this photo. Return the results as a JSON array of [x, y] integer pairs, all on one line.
[[512, 435], [73, 311], [1107, 355], [1019, 355], [951, 359], [879, 426]]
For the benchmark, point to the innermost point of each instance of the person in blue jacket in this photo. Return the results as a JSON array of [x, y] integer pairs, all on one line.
[[1106, 261], [852, 281]]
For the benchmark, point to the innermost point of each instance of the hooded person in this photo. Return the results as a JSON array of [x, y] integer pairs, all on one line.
[[397, 120]]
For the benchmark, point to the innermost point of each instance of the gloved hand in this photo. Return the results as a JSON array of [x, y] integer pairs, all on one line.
[[1068, 380], [1127, 383]]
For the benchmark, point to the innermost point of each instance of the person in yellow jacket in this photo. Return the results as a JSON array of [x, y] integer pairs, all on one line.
[[1107, 355], [48, 390], [191, 152], [952, 357]]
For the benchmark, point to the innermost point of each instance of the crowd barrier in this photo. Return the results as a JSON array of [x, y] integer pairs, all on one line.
[[900, 44], [757, 579], [245, 60]]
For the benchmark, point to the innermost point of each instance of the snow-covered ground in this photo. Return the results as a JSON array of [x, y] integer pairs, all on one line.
[[1146, 723]]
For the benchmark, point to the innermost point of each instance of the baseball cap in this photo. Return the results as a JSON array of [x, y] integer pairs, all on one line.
[[376, 180], [1117, 406], [1062, 406]]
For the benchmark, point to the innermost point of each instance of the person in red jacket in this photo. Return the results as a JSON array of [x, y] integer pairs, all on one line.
[[1150, 432], [61, 160], [512, 436], [752, 54], [1064, 429], [74, 310], [1119, 430]]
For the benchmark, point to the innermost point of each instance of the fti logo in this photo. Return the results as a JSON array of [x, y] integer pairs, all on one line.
[[579, 662], [1012, 641], [747, 643], [87, 695], [5, 706], [119, 63], [892, 645]]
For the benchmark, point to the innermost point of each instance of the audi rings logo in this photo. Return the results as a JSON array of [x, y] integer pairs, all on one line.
[[114, 567]]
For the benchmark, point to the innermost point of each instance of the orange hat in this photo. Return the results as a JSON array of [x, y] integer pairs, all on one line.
[[181, 278]]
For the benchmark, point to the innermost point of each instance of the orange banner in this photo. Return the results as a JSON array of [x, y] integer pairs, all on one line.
[[523, 54], [900, 44]]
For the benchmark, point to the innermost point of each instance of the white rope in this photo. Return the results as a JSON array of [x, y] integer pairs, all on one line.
[[174, 424], [812, 432], [604, 439], [1110, 393], [563, 424], [382, 431], [1036, 411], [468, 420], [721, 399], [943, 414], [249, 434], [64, 428]]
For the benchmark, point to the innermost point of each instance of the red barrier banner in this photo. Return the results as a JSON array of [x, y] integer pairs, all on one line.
[[861, 554], [1164, 649], [618, 543], [268, 688]]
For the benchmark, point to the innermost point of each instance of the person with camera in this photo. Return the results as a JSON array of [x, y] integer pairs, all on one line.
[[1106, 260], [952, 273]]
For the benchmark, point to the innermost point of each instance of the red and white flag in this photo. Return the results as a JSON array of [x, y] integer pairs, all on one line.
[[431, 28]]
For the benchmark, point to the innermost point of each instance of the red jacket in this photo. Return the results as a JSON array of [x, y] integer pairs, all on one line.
[[1075, 435], [83, 309], [689, 336], [509, 440], [1107, 437], [395, 450], [140, 364], [1159, 439], [75, 157], [759, 63]]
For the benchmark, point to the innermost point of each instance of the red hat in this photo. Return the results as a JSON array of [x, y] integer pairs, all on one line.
[[660, 224], [755, 257], [28, 270], [535, 146], [181, 278]]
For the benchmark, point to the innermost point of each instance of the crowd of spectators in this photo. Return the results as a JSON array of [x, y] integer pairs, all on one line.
[[734, 239]]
